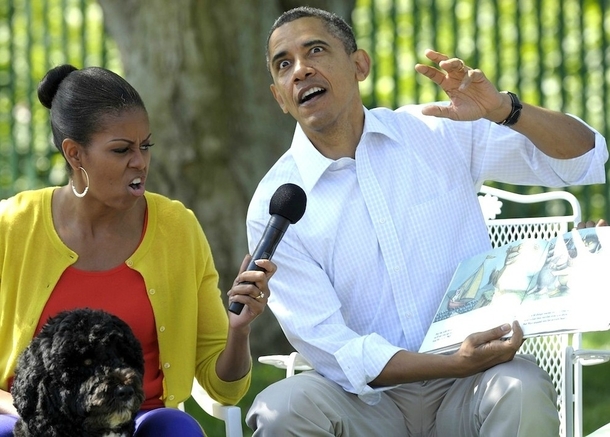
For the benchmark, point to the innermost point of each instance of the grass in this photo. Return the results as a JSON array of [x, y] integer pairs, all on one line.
[[596, 380]]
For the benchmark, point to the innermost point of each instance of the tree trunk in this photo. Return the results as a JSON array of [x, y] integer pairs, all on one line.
[[200, 68]]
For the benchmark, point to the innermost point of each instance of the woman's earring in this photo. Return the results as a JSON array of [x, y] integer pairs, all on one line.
[[76, 193]]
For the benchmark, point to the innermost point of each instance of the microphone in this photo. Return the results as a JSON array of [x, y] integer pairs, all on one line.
[[287, 206]]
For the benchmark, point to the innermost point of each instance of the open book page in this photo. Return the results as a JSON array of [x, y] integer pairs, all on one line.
[[549, 286]]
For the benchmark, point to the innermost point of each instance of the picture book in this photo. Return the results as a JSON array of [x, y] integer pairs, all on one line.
[[551, 286]]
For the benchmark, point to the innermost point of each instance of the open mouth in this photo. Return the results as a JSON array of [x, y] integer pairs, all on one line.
[[137, 185], [311, 94]]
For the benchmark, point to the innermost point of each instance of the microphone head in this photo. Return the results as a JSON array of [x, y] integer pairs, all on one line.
[[289, 201]]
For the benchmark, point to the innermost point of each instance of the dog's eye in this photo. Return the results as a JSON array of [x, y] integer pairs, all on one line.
[[88, 361]]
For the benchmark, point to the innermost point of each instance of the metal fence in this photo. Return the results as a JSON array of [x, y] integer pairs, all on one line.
[[34, 36], [551, 52]]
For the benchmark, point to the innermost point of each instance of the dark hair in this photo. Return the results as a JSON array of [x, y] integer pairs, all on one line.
[[80, 100], [336, 25]]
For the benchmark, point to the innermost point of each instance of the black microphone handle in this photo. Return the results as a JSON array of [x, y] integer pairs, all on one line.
[[265, 249]]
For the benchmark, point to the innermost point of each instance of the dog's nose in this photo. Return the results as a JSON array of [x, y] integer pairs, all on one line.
[[124, 391]]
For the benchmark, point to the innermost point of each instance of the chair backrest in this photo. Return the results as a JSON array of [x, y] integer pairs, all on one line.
[[553, 352]]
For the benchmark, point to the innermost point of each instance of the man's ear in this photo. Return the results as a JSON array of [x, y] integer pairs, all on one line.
[[363, 64], [278, 98], [72, 152]]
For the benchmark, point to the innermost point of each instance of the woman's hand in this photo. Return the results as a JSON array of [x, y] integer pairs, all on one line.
[[250, 288], [6, 403]]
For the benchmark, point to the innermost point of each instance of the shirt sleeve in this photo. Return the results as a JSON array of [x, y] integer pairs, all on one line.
[[504, 155]]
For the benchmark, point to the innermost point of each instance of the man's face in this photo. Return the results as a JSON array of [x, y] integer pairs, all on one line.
[[314, 78]]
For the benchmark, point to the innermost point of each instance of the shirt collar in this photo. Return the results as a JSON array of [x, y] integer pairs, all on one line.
[[312, 164]]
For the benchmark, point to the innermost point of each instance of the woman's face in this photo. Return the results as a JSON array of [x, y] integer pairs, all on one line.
[[117, 159]]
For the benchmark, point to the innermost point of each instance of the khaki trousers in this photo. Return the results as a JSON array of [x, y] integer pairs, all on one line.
[[512, 399]]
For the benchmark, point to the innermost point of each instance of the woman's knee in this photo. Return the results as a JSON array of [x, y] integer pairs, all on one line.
[[7, 423], [168, 422]]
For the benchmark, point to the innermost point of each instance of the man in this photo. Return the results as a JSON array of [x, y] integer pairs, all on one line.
[[361, 275]]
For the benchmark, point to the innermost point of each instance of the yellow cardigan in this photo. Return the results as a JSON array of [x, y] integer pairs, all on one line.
[[175, 260]]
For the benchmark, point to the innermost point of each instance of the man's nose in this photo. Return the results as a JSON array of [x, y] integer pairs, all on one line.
[[302, 69]]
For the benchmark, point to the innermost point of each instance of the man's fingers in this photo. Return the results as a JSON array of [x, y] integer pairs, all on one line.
[[430, 72], [435, 56]]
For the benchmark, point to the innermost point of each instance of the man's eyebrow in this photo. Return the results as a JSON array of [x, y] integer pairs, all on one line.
[[278, 56], [307, 44]]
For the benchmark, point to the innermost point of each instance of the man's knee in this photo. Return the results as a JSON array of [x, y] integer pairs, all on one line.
[[532, 379], [279, 406]]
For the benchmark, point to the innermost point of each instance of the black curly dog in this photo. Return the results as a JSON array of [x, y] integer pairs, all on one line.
[[80, 376]]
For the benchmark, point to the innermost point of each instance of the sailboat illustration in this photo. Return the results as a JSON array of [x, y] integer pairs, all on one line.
[[469, 289]]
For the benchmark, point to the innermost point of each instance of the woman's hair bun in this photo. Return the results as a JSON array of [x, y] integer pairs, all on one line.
[[48, 86]]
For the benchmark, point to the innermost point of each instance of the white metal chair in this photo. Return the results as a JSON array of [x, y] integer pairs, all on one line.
[[560, 355], [230, 414]]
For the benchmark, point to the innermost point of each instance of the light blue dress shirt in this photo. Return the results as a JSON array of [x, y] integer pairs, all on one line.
[[361, 275]]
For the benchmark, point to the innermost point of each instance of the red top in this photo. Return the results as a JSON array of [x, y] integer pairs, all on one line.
[[120, 291]]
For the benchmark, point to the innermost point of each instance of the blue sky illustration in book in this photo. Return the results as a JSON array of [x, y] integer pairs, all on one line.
[[549, 286], [516, 272]]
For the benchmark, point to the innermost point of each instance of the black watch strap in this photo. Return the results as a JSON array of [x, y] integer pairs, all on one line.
[[515, 112]]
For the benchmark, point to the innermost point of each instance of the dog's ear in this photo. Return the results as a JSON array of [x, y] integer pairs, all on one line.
[[128, 346], [25, 385]]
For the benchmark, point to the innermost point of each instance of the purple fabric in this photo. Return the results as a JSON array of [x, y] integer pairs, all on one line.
[[161, 422], [7, 423], [166, 422]]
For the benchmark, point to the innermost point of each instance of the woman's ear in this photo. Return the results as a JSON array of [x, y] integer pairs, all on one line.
[[72, 152]]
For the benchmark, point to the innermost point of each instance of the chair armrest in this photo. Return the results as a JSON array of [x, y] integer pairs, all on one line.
[[230, 414], [292, 363], [590, 357]]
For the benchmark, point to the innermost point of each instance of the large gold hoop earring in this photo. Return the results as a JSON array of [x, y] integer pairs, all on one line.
[[76, 193]]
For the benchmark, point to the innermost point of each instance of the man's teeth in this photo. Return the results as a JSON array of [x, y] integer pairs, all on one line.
[[136, 181], [310, 92]]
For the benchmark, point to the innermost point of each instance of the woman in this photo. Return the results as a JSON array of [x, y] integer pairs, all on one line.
[[102, 241]]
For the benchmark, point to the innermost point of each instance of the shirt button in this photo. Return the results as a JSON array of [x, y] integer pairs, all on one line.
[[162, 328], [129, 262], [166, 366], [170, 397], [152, 291], [382, 221]]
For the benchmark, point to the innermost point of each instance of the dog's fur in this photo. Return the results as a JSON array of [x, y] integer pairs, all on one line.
[[80, 376]]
